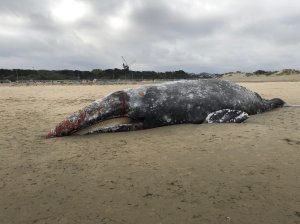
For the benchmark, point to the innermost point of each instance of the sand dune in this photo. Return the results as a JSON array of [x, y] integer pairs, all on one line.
[[209, 173], [243, 77]]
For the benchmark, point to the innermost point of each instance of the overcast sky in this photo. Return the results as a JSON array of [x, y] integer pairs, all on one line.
[[160, 35]]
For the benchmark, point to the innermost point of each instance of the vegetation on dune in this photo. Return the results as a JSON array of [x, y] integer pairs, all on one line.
[[282, 72], [27, 74]]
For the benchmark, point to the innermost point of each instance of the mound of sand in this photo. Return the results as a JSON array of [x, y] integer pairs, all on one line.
[[286, 75]]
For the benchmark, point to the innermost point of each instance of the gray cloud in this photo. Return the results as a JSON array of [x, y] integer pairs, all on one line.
[[160, 35]]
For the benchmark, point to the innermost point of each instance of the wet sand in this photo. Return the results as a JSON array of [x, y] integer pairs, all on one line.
[[208, 173]]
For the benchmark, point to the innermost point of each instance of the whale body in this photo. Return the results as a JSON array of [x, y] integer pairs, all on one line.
[[177, 102]]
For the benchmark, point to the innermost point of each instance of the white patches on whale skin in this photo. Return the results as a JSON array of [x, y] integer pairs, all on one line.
[[136, 96], [226, 116]]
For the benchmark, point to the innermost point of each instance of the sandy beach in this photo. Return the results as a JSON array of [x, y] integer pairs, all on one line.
[[207, 173]]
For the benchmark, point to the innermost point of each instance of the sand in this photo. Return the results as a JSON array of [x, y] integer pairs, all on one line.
[[242, 77], [208, 173]]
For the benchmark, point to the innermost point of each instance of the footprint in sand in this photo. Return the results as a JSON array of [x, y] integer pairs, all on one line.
[[291, 141]]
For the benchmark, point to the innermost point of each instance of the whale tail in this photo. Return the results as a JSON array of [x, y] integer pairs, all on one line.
[[275, 103]]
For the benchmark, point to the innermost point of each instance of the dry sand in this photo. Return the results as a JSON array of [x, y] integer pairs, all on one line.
[[242, 77], [209, 173]]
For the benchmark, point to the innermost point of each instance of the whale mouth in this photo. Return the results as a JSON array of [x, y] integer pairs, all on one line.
[[108, 125]]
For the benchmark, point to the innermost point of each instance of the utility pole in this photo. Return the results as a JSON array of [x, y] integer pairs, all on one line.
[[17, 75]]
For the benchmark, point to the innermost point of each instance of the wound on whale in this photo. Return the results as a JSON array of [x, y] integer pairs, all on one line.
[[177, 102]]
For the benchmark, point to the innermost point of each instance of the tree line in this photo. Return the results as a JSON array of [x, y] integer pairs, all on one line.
[[30, 74]]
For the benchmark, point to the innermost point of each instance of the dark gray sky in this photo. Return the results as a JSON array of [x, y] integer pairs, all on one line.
[[193, 35]]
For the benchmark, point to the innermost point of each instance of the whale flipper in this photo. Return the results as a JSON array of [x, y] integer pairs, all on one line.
[[115, 128], [227, 116]]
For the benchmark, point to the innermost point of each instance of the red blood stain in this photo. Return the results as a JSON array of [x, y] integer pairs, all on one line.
[[67, 126]]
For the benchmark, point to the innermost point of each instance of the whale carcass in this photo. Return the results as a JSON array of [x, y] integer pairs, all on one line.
[[177, 102]]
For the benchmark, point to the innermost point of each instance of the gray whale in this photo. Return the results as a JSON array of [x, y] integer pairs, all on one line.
[[177, 102]]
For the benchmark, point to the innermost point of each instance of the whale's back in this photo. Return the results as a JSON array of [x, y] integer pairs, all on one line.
[[191, 101]]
